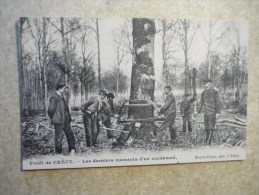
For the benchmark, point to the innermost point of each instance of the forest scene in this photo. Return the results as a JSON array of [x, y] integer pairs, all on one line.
[[134, 59]]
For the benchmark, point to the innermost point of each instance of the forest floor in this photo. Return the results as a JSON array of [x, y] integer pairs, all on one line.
[[38, 136]]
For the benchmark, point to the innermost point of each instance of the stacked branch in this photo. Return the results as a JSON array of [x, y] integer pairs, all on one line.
[[237, 123]]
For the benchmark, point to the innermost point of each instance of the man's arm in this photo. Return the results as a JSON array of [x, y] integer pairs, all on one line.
[[217, 102], [52, 106], [86, 104], [107, 109], [168, 101], [202, 101]]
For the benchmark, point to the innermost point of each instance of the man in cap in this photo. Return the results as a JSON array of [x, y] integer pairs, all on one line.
[[187, 111], [210, 101], [91, 109], [169, 110], [60, 116]]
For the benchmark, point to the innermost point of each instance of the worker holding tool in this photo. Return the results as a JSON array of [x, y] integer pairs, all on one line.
[[91, 109], [210, 101], [169, 111]]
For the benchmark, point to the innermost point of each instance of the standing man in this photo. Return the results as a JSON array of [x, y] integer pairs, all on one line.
[[212, 107], [91, 110], [187, 111], [169, 110], [60, 116]]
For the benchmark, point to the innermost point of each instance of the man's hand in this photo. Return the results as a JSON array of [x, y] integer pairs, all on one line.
[[196, 114], [217, 115]]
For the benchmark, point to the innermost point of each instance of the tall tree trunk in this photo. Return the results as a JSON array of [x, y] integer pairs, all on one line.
[[86, 92], [165, 67], [186, 63], [23, 100], [233, 85], [187, 84], [44, 64], [209, 51], [98, 50], [64, 49], [142, 78], [81, 92], [117, 86], [75, 100]]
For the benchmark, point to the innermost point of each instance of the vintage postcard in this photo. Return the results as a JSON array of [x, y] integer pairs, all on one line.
[[99, 92]]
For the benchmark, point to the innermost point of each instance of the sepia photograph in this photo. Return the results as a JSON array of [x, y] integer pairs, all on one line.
[[100, 92]]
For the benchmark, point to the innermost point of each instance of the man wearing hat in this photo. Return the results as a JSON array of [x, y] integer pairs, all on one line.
[[91, 109], [210, 101], [60, 116], [187, 111]]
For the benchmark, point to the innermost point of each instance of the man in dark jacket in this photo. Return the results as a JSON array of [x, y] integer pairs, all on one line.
[[60, 116], [187, 111], [91, 109], [211, 103], [169, 111]]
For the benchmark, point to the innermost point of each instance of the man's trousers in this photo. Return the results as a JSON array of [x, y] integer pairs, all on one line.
[[187, 119], [59, 136], [168, 123], [91, 129], [209, 123]]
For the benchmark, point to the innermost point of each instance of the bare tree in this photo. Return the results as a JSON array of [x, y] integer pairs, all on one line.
[[232, 39], [169, 29], [98, 51], [24, 104], [209, 41], [120, 43], [186, 35], [67, 26], [40, 31]]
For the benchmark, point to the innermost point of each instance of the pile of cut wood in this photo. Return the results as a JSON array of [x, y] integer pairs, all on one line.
[[236, 122]]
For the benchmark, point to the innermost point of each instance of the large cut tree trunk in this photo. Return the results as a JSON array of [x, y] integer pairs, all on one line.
[[142, 78]]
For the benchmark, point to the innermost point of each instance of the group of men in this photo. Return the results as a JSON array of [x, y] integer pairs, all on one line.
[[96, 109], [210, 103], [100, 109]]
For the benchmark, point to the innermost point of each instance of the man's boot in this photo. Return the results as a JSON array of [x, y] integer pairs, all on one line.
[[89, 141], [184, 124], [207, 136]]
